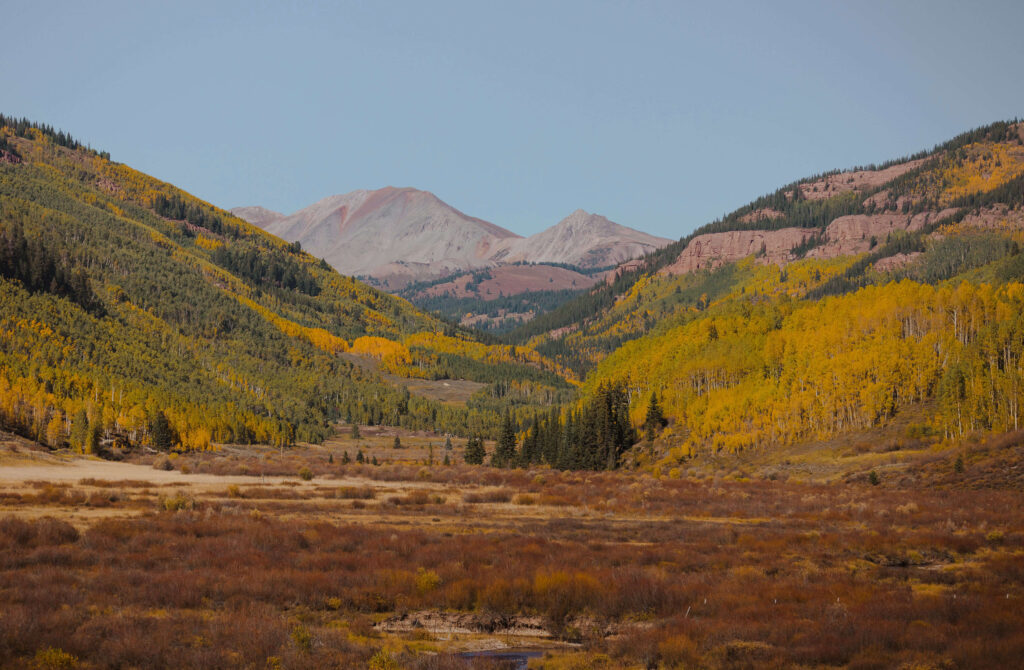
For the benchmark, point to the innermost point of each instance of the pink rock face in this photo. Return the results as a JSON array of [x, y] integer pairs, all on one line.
[[895, 262], [628, 266], [999, 217], [715, 249], [860, 180], [847, 235], [853, 234], [761, 215]]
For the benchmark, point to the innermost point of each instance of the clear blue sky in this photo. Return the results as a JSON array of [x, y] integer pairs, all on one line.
[[659, 115]]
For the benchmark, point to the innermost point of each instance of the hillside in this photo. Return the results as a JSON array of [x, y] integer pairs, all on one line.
[[837, 214], [135, 314], [898, 291], [499, 298]]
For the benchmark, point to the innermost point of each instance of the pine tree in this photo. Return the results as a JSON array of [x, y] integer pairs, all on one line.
[[397, 443], [655, 419], [160, 432], [474, 451], [505, 451]]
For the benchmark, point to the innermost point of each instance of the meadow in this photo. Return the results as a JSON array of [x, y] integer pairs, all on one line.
[[259, 557]]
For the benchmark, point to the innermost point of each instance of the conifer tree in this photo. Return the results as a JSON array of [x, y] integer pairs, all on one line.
[[474, 451], [655, 419], [160, 432], [505, 451]]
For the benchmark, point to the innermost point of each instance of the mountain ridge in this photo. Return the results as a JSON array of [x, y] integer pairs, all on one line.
[[395, 236]]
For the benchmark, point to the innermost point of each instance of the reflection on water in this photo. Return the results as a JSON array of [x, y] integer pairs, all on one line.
[[513, 659]]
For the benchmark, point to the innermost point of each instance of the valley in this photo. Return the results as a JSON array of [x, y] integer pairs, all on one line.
[[790, 439]]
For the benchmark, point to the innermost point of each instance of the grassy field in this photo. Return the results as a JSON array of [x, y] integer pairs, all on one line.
[[256, 557]]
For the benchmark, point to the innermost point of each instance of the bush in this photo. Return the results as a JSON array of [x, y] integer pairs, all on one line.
[[179, 501], [496, 496], [305, 474], [52, 658]]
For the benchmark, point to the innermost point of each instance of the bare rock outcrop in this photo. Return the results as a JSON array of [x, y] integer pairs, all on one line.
[[891, 263], [847, 235], [712, 250], [999, 217], [858, 233], [861, 180], [628, 266], [765, 214]]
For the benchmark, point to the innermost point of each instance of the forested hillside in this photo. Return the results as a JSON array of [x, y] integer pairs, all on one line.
[[968, 175], [766, 352], [134, 313]]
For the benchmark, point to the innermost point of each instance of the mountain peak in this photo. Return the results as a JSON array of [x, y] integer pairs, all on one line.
[[398, 234]]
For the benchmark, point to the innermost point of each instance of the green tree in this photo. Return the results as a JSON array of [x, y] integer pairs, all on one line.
[[160, 431], [655, 419], [80, 430], [475, 451], [505, 451]]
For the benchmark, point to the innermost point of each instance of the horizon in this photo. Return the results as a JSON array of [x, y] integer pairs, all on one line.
[[658, 117]]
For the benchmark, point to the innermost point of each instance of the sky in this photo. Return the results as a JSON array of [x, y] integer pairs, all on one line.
[[659, 115]]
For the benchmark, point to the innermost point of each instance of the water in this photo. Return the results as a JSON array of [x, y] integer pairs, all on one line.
[[517, 659]]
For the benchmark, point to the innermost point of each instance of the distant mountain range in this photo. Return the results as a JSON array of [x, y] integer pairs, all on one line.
[[395, 236]]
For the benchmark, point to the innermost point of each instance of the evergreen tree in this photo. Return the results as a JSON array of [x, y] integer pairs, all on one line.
[[80, 430], [505, 451], [160, 432], [475, 451], [397, 443], [655, 419], [354, 433]]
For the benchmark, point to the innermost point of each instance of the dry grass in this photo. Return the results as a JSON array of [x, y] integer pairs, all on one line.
[[237, 571]]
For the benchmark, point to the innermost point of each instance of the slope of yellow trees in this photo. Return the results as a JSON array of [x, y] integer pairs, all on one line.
[[753, 372]]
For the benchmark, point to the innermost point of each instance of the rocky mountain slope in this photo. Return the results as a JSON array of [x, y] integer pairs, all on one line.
[[258, 216], [395, 236], [581, 239], [852, 212], [392, 235]]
